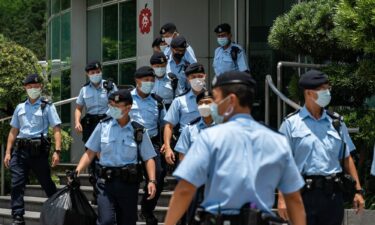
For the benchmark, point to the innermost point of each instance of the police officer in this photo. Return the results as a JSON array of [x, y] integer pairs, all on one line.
[[148, 110], [116, 140], [228, 56], [30, 144], [93, 96], [158, 45], [183, 109], [240, 162], [318, 146], [165, 85], [168, 32], [177, 63]]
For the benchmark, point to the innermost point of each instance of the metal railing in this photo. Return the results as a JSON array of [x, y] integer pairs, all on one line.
[[3, 142]]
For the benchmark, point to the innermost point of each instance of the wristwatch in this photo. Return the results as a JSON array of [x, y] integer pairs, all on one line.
[[153, 181], [360, 191]]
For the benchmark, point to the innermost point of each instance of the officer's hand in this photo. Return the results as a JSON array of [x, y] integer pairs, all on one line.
[[358, 203], [151, 190], [7, 160], [169, 156], [281, 210], [78, 128], [163, 148], [55, 159]]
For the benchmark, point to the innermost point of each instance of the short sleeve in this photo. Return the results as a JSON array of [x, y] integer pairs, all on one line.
[[190, 55], [195, 166], [15, 122], [173, 115], [242, 61], [347, 139], [114, 88], [80, 100], [284, 129], [53, 117], [94, 141], [146, 148], [183, 142]]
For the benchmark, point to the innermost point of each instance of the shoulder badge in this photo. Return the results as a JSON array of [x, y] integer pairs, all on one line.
[[194, 121]]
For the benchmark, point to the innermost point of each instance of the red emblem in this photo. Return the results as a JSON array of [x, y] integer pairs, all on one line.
[[145, 20]]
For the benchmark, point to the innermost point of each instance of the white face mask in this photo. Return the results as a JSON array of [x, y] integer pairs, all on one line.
[[34, 93], [163, 47], [147, 86], [168, 40], [95, 78], [204, 110], [160, 71], [115, 112], [324, 98], [197, 84]]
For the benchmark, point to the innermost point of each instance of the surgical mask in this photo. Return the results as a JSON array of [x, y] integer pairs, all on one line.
[[197, 84], [147, 87], [178, 56], [168, 40], [160, 71], [324, 98], [222, 41], [115, 112], [215, 112], [163, 47], [34, 93], [96, 78], [204, 110]]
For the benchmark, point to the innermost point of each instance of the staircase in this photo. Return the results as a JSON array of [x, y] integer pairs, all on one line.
[[35, 197]]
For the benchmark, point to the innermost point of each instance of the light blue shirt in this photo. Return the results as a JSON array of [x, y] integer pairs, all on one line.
[[223, 61], [32, 121], [145, 111], [316, 145], [94, 99], [183, 110], [373, 164], [116, 144], [240, 161], [189, 54], [163, 88], [189, 135]]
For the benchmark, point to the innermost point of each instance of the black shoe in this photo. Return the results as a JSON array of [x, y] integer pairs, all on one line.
[[18, 220], [150, 219]]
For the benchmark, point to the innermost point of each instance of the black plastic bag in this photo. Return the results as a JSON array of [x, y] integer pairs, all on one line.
[[68, 206]]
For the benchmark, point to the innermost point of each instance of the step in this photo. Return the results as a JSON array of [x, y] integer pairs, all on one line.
[[169, 181], [37, 191]]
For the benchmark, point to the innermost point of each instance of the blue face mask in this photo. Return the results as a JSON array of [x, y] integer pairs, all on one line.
[[324, 98], [147, 87], [215, 112], [115, 112], [95, 78], [222, 41]]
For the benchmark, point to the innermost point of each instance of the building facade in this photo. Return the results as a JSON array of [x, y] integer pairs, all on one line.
[[119, 33]]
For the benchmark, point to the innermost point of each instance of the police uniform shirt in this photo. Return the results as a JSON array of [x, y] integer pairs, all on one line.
[[189, 135], [163, 88], [94, 99], [223, 61], [145, 111], [31, 120], [240, 161], [179, 71], [189, 54], [373, 164], [116, 144], [316, 145], [183, 110]]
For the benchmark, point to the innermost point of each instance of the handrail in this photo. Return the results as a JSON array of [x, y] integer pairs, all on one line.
[[2, 120]]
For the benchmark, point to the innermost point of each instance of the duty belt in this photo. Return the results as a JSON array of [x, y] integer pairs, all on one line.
[[94, 118], [131, 173], [329, 183]]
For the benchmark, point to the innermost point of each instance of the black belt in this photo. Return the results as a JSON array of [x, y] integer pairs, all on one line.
[[95, 115], [131, 173], [329, 182]]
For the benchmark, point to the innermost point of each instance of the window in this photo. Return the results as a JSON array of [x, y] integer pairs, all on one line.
[[128, 35], [94, 35], [65, 39], [110, 33], [111, 72], [127, 71]]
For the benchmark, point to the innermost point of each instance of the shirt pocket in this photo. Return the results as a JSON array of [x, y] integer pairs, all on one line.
[[129, 147], [302, 141], [334, 142], [107, 146], [89, 99], [21, 115], [38, 118], [103, 97]]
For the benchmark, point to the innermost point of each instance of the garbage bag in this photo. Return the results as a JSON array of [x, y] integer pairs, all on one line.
[[68, 206]]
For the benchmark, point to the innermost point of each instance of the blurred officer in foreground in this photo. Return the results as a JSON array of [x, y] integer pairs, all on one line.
[[165, 84], [122, 144], [184, 109], [93, 97], [228, 56], [28, 138], [148, 109], [240, 162], [320, 141], [168, 32]]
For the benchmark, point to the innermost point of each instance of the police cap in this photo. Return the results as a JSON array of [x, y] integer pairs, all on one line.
[[224, 27], [144, 71], [205, 94], [194, 68], [233, 77], [168, 28], [179, 42], [157, 41], [122, 95], [32, 79], [93, 66], [158, 58], [313, 79]]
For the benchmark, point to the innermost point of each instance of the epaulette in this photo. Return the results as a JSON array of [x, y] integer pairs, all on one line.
[[105, 119], [187, 91], [292, 114], [45, 102], [194, 121], [86, 84]]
